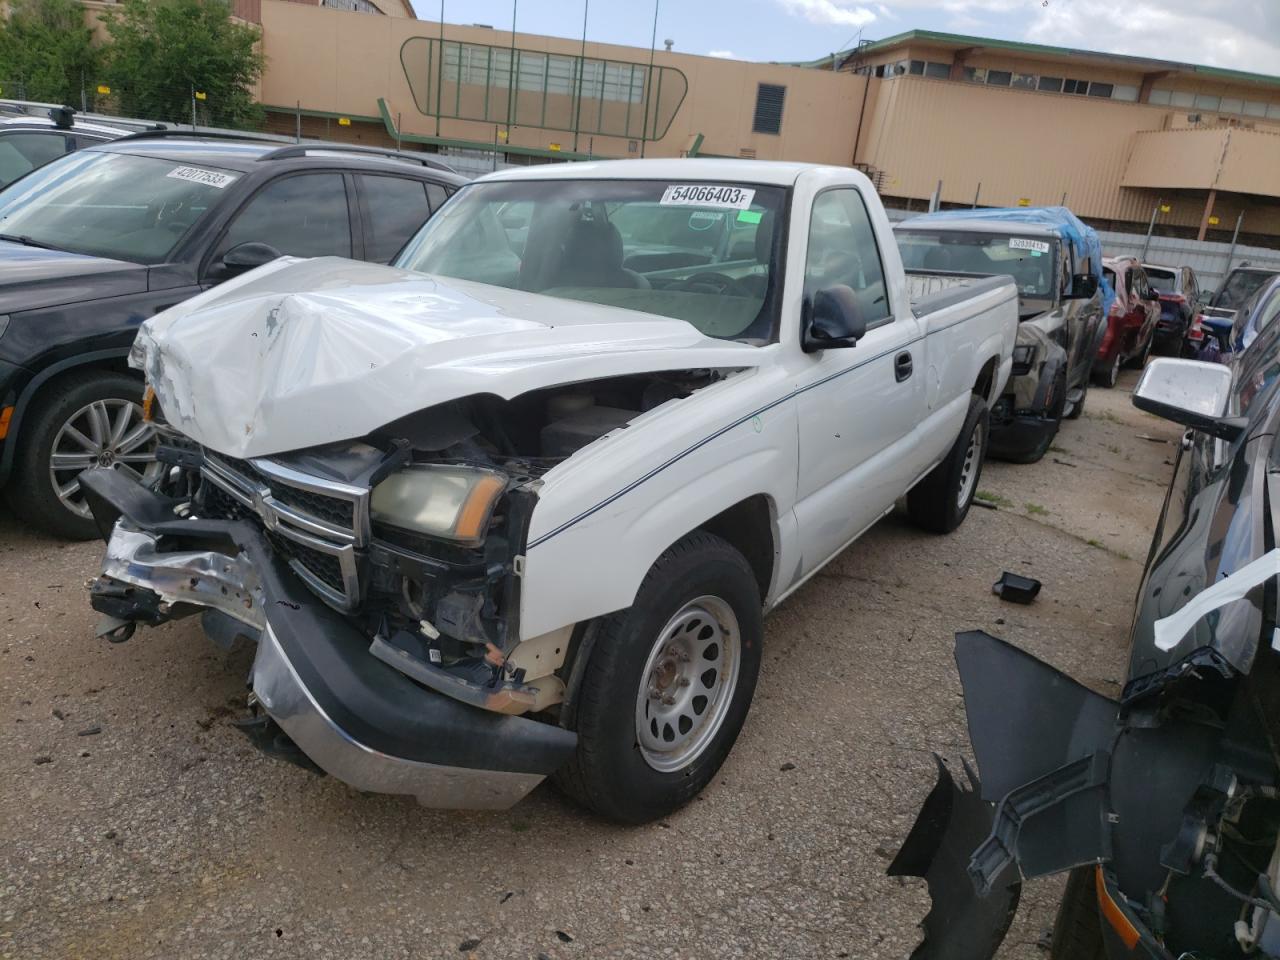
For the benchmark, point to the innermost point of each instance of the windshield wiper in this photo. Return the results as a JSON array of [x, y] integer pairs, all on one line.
[[27, 241]]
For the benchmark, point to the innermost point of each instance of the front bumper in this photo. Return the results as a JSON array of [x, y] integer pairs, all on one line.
[[357, 718]]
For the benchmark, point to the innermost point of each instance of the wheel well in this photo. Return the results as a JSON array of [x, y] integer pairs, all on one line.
[[42, 388], [986, 380], [748, 527]]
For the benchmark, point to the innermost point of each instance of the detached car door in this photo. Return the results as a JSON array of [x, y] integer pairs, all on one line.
[[858, 405]]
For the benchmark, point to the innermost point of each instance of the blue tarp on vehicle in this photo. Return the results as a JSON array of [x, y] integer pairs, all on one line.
[[1084, 240]]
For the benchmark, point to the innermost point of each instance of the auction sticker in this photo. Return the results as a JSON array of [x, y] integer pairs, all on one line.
[[210, 178], [707, 195], [1037, 246]]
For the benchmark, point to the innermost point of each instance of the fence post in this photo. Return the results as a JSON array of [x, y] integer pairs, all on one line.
[[193, 108], [936, 200], [1231, 254], [297, 122], [977, 193], [1146, 244]]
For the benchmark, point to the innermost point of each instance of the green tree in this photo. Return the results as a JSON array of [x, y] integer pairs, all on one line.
[[163, 51], [46, 51]]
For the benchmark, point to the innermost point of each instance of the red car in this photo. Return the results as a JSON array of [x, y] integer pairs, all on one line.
[[1131, 323]]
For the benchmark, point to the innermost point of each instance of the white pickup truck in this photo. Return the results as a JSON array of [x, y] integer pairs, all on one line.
[[515, 505]]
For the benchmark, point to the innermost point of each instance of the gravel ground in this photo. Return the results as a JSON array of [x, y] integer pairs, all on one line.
[[136, 821]]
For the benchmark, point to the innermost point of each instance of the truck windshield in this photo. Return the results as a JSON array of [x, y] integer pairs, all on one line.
[[1240, 286], [113, 205], [1029, 260], [706, 253]]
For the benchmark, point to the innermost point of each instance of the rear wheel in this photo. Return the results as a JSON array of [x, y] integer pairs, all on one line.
[[940, 502], [1108, 375], [668, 684], [92, 421], [1077, 932]]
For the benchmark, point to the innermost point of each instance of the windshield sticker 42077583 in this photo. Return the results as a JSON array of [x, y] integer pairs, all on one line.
[[707, 195]]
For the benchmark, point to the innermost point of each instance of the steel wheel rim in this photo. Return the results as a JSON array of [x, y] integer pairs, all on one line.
[[969, 468], [688, 683], [108, 433]]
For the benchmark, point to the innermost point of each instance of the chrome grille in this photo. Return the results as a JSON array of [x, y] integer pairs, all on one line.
[[316, 524]]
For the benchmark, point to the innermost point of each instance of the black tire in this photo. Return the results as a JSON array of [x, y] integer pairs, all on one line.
[[1139, 359], [1107, 376], [609, 772], [935, 503], [1077, 408], [1077, 931], [30, 491]]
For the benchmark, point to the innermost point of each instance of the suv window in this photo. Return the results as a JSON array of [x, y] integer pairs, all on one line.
[[842, 250], [302, 215], [437, 195], [21, 152], [396, 208]]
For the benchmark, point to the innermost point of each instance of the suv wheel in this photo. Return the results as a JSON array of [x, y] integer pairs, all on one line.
[[88, 422], [667, 685]]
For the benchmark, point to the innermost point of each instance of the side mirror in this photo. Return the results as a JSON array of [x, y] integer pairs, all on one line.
[[1153, 293], [243, 257], [1191, 393], [831, 319], [1083, 286]]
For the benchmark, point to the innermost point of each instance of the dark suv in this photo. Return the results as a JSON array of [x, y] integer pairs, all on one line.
[[99, 240]]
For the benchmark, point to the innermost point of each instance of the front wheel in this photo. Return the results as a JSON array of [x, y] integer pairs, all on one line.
[[667, 685], [940, 502], [87, 422], [1077, 931]]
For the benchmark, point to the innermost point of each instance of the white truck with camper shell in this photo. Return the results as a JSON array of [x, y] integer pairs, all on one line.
[[515, 505]]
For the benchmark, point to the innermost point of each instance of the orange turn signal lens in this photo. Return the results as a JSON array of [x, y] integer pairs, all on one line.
[[474, 515], [6, 414], [1121, 924], [148, 404]]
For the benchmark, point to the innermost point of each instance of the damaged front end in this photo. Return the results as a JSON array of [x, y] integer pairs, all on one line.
[[1166, 804], [381, 579], [1025, 418]]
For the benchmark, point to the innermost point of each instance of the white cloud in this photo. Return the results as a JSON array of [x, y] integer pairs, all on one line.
[[722, 54], [1237, 34], [834, 12]]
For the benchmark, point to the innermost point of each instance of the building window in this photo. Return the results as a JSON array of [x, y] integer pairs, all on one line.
[[1024, 81], [999, 78], [1125, 92], [1160, 97], [938, 71], [917, 68], [1232, 105], [356, 6], [1179, 99], [975, 74], [1100, 89], [1255, 108], [1204, 102], [1273, 111], [769, 98], [1075, 86], [1050, 84]]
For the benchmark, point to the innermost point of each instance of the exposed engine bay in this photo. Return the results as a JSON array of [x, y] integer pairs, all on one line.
[[418, 531]]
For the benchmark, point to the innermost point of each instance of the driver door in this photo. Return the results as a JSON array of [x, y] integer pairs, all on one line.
[[859, 406]]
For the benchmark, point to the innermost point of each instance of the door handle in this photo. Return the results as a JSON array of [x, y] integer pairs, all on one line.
[[902, 366]]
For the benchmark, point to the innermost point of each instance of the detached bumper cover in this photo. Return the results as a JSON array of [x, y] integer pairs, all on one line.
[[356, 718]]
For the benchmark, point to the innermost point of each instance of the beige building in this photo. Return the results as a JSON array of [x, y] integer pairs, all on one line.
[[997, 122]]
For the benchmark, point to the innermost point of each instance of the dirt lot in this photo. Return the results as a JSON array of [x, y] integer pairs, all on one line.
[[135, 821]]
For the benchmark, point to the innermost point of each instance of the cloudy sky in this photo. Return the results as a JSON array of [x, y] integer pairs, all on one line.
[[1240, 34]]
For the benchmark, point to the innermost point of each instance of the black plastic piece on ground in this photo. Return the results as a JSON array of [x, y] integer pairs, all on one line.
[[1016, 588]]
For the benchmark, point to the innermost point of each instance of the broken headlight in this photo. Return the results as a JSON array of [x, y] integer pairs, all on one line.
[[449, 502]]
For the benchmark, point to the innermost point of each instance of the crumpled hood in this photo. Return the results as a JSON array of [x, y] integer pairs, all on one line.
[[303, 352]]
